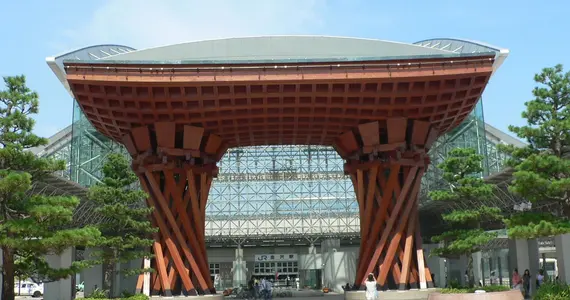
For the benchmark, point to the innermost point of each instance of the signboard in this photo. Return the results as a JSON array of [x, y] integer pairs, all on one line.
[[276, 257], [280, 176]]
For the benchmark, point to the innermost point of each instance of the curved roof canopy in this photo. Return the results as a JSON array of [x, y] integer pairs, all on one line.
[[281, 48], [83, 54], [276, 48]]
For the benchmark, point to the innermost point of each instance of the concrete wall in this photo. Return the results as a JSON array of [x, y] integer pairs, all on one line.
[[127, 283], [562, 243], [310, 261], [436, 265], [65, 288], [339, 269], [1, 263], [93, 277]]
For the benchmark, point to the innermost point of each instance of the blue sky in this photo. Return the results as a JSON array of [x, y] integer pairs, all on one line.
[[534, 32]]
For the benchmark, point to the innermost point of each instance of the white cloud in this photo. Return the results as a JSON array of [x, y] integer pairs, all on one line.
[[142, 24]]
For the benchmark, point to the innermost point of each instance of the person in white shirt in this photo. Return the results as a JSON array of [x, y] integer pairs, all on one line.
[[371, 290], [539, 278], [266, 287], [493, 278]]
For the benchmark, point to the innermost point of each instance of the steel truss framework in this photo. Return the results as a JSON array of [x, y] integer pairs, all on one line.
[[469, 134]]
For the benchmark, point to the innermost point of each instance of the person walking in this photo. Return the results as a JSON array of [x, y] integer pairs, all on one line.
[[251, 288], [266, 287], [516, 280], [539, 279], [526, 283], [371, 290]]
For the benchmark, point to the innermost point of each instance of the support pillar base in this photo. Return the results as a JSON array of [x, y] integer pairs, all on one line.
[[176, 166], [392, 295], [386, 161]]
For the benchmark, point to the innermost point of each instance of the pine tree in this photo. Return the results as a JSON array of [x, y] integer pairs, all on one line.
[[125, 229], [461, 171], [542, 170], [31, 226]]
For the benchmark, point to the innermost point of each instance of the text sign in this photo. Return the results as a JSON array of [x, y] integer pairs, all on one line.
[[276, 257]]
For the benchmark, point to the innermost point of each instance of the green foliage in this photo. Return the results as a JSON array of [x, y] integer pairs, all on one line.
[[460, 170], [542, 170], [31, 226], [102, 294], [466, 236], [488, 289], [461, 242], [135, 297], [473, 216], [126, 230], [18, 102], [98, 294], [548, 114], [553, 291], [530, 225]]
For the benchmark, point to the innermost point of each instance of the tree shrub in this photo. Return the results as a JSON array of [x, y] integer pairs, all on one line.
[[553, 291]]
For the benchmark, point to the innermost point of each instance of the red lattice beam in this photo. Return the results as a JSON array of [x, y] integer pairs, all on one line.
[[386, 161], [176, 166]]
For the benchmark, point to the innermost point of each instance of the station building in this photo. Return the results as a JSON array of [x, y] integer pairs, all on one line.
[[288, 212]]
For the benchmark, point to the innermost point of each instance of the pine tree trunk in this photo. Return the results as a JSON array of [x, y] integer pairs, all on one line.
[[108, 279], [7, 274], [470, 273]]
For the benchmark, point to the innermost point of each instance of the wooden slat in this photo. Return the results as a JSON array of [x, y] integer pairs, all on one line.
[[412, 198], [188, 228], [213, 144], [192, 137], [165, 134], [139, 285], [381, 213], [396, 130], [391, 221], [222, 151], [369, 201], [141, 138], [179, 264], [370, 133], [162, 275], [347, 141], [432, 137], [129, 144], [162, 203], [360, 199], [420, 132], [420, 257], [409, 243]]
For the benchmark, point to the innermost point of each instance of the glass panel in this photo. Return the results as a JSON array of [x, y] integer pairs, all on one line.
[[469, 134], [289, 60]]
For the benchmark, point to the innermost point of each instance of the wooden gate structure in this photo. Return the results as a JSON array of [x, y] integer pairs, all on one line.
[[178, 119]]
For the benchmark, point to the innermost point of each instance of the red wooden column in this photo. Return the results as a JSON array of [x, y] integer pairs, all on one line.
[[176, 165], [386, 161]]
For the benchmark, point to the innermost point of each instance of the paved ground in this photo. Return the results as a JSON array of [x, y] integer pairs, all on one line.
[[328, 297], [79, 295]]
